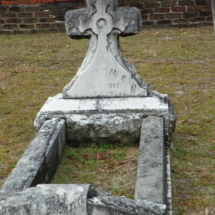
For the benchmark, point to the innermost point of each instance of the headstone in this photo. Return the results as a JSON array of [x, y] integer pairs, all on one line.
[[104, 72], [106, 100], [106, 92]]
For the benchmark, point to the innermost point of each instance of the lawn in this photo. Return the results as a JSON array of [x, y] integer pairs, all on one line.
[[178, 62]]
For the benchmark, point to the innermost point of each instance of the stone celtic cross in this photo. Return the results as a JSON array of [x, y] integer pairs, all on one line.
[[104, 71]]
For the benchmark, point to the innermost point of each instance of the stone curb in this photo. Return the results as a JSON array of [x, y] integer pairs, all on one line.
[[39, 162]]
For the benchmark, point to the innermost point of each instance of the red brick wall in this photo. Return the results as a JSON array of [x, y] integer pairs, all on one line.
[[35, 17], [173, 12], [22, 2], [20, 16]]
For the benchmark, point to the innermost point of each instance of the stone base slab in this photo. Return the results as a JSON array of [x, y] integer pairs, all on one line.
[[107, 120]]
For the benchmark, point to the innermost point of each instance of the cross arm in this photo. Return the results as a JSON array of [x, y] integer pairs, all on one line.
[[132, 17], [73, 19]]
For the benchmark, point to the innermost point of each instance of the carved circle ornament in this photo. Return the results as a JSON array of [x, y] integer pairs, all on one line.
[[102, 23]]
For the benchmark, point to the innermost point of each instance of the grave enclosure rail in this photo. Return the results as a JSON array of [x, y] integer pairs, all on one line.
[[21, 16]]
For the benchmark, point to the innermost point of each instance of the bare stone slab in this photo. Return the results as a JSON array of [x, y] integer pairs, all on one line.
[[150, 183], [106, 120], [104, 72], [39, 162]]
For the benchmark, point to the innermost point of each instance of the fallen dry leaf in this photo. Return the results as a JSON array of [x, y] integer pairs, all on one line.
[[97, 156], [107, 167], [206, 211], [121, 162]]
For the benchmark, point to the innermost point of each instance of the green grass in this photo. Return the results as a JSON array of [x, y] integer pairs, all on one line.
[[34, 67], [111, 169]]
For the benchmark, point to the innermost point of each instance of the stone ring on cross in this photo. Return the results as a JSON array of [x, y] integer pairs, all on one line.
[[102, 23]]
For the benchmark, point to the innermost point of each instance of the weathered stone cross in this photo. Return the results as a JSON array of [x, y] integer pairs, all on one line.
[[104, 71]]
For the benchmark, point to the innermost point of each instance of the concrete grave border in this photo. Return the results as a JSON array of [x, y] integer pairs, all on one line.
[[39, 163]]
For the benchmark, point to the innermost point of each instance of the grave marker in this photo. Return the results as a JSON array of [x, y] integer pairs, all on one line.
[[104, 72], [106, 100]]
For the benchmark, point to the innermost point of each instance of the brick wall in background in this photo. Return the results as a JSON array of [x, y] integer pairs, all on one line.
[[173, 12], [36, 17], [23, 2], [20, 16]]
